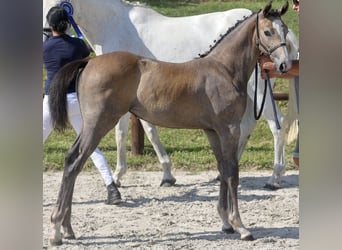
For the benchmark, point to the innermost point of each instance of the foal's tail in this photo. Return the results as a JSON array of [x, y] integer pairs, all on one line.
[[58, 90]]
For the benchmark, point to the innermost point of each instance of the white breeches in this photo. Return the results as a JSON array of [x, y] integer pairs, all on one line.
[[75, 120]]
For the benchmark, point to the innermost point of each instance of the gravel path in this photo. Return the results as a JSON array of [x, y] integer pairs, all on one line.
[[179, 217]]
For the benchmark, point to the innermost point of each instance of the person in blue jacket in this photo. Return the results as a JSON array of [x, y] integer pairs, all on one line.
[[58, 50]]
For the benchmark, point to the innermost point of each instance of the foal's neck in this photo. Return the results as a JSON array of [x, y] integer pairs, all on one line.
[[238, 49]]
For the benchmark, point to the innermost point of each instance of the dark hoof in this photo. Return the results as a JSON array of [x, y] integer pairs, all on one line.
[[228, 230], [55, 243], [271, 187], [248, 238], [167, 183]]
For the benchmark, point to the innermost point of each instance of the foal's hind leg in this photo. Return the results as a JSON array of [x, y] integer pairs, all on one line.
[[68, 233], [84, 145], [62, 211], [164, 159]]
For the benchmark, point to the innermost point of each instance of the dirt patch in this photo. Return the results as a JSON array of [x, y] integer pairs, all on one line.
[[179, 217]]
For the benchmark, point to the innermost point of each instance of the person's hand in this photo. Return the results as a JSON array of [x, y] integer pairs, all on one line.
[[266, 63], [268, 66]]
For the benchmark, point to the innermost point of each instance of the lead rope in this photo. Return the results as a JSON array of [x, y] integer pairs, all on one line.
[[267, 83], [257, 116]]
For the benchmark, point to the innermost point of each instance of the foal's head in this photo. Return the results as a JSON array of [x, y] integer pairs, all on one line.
[[271, 34]]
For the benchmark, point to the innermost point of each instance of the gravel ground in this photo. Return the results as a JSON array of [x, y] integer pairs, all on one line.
[[180, 217]]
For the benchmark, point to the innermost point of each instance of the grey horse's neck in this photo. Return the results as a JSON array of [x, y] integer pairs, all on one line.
[[238, 49]]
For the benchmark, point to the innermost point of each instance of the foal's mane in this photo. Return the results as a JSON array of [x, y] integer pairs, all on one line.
[[216, 42], [270, 13]]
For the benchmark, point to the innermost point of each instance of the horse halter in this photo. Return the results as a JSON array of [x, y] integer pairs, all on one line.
[[267, 80], [259, 43]]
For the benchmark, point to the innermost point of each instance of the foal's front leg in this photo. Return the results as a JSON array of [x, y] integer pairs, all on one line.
[[233, 212], [228, 202], [222, 206], [229, 170]]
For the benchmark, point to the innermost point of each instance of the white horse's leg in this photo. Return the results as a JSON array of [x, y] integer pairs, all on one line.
[[279, 139], [279, 136], [121, 134], [164, 159]]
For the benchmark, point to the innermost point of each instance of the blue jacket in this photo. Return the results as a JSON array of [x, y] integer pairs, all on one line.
[[60, 50]]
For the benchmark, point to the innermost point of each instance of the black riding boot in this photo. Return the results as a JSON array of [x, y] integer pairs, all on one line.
[[114, 196]]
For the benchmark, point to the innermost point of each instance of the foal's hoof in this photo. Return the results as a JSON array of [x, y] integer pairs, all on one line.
[[247, 237], [272, 186], [168, 183], [54, 242]]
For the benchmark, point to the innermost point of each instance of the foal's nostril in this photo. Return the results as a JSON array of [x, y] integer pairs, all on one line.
[[282, 68]]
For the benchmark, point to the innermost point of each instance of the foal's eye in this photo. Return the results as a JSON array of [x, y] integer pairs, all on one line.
[[267, 33]]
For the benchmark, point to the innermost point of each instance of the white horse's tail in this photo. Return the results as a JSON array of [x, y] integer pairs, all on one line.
[[293, 132]]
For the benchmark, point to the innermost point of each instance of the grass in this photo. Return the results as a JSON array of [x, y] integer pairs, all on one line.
[[194, 7], [188, 149]]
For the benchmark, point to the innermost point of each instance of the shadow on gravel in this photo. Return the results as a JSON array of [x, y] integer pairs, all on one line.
[[253, 182], [259, 233]]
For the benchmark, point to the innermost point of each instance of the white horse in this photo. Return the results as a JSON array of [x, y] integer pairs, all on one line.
[[116, 25]]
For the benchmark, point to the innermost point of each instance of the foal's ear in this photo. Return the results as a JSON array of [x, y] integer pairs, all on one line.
[[267, 9], [284, 8]]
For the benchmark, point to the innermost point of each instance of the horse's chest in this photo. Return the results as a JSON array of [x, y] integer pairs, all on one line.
[[227, 99]]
